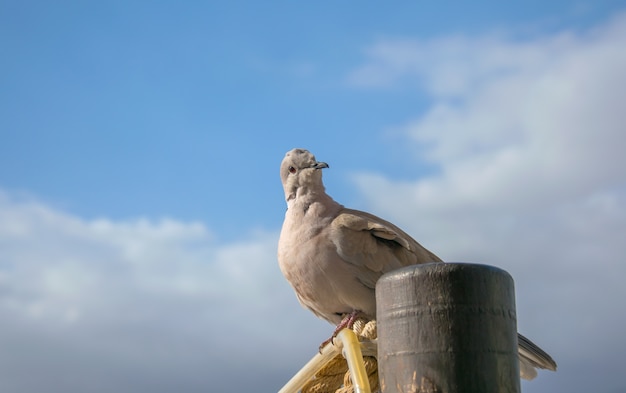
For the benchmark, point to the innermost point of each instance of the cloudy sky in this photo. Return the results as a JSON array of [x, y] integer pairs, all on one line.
[[140, 202]]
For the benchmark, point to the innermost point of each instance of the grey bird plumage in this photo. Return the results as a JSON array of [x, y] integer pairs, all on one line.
[[332, 256]]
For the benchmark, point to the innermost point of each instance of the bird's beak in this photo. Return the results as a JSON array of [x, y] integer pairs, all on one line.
[[319, 165]]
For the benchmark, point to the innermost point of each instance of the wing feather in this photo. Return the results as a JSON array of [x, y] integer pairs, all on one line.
[[375, 245]]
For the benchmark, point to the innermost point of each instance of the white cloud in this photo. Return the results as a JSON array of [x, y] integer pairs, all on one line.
[[113, 304], [528, 138]]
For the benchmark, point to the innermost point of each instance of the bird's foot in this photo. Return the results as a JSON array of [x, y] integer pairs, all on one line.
[[346, 323]]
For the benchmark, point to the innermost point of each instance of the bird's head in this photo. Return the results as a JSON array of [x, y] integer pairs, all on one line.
[[300, 173]]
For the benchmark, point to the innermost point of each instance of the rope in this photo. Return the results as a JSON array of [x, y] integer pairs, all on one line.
[[334, 377]]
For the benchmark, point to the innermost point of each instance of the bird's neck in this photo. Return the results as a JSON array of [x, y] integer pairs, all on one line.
[[309, 201]]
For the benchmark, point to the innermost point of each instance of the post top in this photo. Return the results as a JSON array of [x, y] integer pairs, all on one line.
[[438, 268]]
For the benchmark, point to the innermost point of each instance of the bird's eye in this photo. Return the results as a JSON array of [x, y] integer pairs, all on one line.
[[292, 169]]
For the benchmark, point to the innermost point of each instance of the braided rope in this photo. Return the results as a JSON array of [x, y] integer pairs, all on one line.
[[334, 377]]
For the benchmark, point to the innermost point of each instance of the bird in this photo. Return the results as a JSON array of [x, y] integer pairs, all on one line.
[[332, 256]]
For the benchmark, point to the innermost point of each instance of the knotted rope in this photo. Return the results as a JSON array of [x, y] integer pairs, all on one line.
[[334, 377]]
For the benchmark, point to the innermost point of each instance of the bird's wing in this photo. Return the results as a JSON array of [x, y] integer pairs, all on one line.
[[374, 244]]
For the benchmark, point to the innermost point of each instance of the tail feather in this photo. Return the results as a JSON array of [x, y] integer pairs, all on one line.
[[532, 357]]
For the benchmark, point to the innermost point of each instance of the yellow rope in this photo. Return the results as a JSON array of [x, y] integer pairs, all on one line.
[[335, 377]]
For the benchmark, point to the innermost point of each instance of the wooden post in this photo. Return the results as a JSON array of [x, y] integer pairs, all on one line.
[[449, 328]]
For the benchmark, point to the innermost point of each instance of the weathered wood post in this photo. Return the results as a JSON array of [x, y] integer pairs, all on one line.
[[449, 328]]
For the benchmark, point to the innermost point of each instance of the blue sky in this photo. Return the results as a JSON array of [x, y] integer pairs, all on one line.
[[140, 200], [127, 109]]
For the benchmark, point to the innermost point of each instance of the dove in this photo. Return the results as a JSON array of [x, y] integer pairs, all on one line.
[[333, 256]]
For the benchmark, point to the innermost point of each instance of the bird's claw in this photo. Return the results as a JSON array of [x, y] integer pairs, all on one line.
[[346, 323]]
